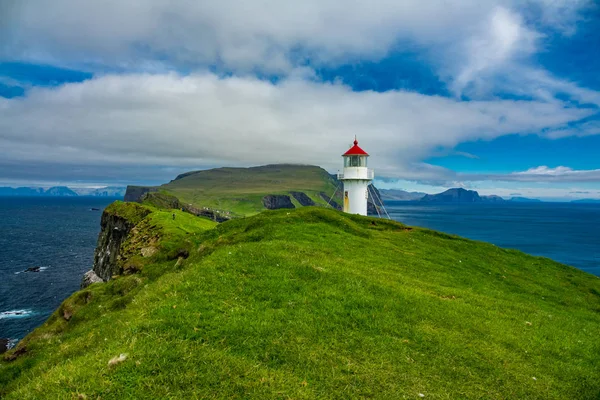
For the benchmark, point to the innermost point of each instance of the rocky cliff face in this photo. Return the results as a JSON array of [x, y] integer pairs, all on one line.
[[303, 199], [204, 212], [114, 230], [330, 200], [277, 201], [135, 193]]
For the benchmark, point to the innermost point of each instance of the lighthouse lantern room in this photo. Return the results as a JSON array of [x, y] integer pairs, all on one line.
[[356, 178]]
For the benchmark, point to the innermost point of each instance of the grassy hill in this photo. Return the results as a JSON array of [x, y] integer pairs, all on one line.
[[313, 303], [241, 190]]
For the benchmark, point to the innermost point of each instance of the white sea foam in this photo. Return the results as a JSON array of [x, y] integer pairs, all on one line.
[[16, 314], [12, 343], [40, 270]]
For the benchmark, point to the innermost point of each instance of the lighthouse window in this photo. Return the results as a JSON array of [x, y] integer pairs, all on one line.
[[355, 161]]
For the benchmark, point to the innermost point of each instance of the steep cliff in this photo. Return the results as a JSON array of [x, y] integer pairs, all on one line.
[[135, 193], [277, 201], [115, 227]]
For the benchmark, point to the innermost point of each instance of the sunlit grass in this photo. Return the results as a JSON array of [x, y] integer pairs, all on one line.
[[313, 303]]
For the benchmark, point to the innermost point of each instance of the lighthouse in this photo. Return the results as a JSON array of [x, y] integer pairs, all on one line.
[[356, 178]]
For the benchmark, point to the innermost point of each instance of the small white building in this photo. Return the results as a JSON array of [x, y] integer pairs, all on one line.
[[356, 178]]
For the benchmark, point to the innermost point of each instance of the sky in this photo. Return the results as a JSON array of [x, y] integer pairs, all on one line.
[[502, 97]]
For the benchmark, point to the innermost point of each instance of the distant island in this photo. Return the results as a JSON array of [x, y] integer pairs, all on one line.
[[454, 195], [525, 200], [63, 191], [587, 201], [401, 195]]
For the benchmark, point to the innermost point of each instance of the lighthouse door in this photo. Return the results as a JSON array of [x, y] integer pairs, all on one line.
[[346, 202]]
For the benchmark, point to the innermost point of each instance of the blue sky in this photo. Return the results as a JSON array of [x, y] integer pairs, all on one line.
[[499, 96]]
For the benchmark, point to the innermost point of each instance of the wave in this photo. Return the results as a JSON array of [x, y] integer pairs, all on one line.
[[11, 343], [16, 314]]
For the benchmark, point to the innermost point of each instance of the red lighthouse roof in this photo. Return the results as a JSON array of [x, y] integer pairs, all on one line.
[[355, 150]]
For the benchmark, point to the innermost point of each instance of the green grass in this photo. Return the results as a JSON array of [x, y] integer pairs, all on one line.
[[313, 303], [240, 190], [132, 212]]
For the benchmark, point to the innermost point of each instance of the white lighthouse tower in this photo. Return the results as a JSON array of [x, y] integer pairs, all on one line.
[[356, 178]]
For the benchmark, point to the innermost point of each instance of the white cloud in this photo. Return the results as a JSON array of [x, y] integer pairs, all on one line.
[[501, 37], [202, 119], [265, 34], [544, 170], [537, 174], [479, 47], [557, 174], [564, 192]]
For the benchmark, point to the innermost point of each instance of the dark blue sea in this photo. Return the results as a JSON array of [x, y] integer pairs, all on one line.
[[566, 232], [59, 235], [56, 234]]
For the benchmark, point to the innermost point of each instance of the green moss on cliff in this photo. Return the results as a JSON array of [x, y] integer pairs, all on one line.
[[313, 303], [132, 212], [160, 200]]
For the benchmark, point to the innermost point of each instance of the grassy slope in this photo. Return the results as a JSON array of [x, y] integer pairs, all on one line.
[[313, 303], [240, 190]]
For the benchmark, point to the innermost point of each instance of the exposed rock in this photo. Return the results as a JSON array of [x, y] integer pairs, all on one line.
[[135, 193], [114, 231], [372, 209], [303, 199], [148, 251], [89, 278], [20, 350], [179, 253], [204, 212], [183, 253], [277, 201], [373, 204], [333, 203], [117, 360], [3, 345]]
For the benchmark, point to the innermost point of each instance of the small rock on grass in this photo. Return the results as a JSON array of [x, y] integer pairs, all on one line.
[[117, 360]]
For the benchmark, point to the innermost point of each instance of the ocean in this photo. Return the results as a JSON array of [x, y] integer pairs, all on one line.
[[565, 232], [59, 236]]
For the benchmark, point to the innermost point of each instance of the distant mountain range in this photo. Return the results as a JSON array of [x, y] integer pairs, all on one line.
[[455, 195], [459, 195], [400, 195], [63, 191]]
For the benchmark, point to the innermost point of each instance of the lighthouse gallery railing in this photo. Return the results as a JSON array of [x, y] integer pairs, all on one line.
[[356, 173]]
